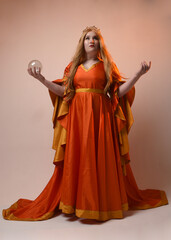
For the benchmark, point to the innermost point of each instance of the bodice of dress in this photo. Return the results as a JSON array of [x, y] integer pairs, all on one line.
[[94, 77]]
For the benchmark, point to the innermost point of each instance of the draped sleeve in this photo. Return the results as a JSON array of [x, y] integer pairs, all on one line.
[[59, 119], [124, 119]]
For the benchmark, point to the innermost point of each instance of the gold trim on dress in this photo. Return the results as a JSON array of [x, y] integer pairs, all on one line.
[[86, 70], [90, 214], [61, 109], [94, 90], [10, 216], [162, 202]]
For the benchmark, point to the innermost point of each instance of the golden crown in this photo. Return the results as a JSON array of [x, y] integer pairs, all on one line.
[[91, 28]]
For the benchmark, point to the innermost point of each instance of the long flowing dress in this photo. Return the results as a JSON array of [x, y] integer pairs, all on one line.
[[92, 176]]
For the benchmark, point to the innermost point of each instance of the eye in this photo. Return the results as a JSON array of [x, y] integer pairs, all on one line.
[[87, 37], [96, 38]]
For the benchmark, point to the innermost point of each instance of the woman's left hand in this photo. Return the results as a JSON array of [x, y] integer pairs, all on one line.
[[144, 68]]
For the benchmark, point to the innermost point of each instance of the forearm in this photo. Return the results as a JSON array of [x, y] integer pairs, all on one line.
[[125, 87], [53, 87]]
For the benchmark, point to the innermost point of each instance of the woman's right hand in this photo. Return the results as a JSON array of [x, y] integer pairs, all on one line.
[[36, 73], [53, 87]]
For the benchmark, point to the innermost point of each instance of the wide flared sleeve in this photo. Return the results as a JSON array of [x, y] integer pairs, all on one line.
[[59, 120], [124, 120]]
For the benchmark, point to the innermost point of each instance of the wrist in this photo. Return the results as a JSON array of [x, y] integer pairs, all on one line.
[[42, 79], [138, 75]]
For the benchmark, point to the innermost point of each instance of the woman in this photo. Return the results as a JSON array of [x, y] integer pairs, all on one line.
[[92, 117]]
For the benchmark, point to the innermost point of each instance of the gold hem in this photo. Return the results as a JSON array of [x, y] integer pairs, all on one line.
[[162, 202], [90, 214], [10, 216]]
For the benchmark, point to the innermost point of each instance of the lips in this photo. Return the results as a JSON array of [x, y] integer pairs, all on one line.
[[91, 45]]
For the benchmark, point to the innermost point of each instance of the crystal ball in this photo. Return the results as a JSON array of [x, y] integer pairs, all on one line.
[[35, 64]]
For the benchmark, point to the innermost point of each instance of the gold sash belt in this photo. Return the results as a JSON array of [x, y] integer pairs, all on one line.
[[95, 90]]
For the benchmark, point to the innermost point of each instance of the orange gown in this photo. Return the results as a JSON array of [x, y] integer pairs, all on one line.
[[92, 176]]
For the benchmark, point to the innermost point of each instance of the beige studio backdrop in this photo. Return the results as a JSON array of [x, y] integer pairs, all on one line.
[[49, 30]]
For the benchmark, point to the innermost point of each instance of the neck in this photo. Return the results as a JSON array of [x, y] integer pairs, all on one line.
[[91, 56]]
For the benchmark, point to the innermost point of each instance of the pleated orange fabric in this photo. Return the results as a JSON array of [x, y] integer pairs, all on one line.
[[43, 207], [92, 176]]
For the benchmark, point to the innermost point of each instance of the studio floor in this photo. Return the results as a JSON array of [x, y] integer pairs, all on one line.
[[142, 225]]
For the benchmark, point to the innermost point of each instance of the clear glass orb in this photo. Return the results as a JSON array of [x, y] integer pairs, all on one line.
[[35, 64]]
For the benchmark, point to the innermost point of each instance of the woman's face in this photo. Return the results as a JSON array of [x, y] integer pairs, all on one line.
[[91, 42]]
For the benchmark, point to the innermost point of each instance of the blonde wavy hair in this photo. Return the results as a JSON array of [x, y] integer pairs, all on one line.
[[111, 70]]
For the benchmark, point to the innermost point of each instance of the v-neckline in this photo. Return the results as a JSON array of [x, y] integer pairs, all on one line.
[[92, 66]]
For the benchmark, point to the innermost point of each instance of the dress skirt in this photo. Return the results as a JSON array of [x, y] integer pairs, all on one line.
[[92, 177]]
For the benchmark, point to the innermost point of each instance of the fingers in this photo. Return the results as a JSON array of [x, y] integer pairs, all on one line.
[[150, 64], [35, 72], [30, 72], [145, 67]]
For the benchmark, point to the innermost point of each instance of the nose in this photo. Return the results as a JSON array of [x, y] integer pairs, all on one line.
[[92, 40]]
